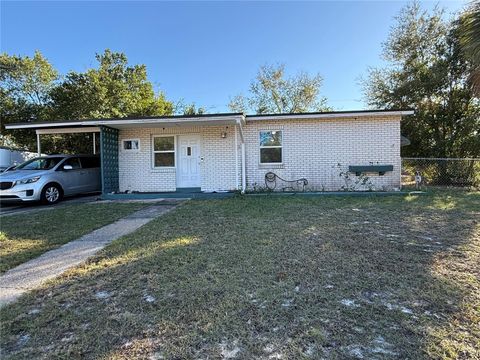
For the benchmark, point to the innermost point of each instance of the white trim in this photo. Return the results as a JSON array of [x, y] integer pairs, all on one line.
[[329, 116], [167, 121], [153, 152], [260, 147], [39, 148], [66, 130], [122, 147], [204, 120], [179, 121]]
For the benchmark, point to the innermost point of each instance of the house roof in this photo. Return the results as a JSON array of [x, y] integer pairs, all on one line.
[[201, 119]]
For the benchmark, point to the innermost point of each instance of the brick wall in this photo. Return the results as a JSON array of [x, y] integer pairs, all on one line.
[[313, 148], [218, 170]]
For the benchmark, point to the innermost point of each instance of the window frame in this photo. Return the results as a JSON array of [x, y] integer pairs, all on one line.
[[260, 147], [130, 150], [174, 151]]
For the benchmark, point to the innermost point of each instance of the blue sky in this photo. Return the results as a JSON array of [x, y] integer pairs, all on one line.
[[207, 52]]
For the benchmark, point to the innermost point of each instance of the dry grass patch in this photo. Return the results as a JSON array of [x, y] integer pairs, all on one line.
[[26, 236], [270, 278]]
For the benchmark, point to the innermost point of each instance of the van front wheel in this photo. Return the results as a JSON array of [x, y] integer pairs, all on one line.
[[51, 194]]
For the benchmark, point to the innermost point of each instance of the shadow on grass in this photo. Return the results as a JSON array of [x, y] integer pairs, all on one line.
[[253, 278]]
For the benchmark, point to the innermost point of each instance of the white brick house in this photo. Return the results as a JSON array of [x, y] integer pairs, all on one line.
[[226, 152]]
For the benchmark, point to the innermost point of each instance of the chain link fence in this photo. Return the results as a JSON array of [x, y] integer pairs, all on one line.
[[464, 172]]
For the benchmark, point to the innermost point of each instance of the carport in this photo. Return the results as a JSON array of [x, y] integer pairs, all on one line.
[[108, 145], [109, 131]]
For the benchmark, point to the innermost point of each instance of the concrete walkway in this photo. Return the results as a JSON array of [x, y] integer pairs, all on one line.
[[33, 273]]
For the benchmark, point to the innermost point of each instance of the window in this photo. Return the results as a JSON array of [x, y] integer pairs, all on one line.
[[163, 151], [40, 163], [89, 162], [131, 145], [270, 147]]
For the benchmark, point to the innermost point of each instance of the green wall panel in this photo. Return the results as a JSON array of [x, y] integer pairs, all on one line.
[[109, 156]]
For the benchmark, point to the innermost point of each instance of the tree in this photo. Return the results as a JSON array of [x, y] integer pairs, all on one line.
[[182, 108], [114, 89], [32, 91], [272, 92], [428, 72], [469, 34], [25, 86]]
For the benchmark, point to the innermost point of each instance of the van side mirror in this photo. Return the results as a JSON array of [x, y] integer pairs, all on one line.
[[67, 167]]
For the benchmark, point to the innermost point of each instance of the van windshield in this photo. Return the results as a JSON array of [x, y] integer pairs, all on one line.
[[40, 163]]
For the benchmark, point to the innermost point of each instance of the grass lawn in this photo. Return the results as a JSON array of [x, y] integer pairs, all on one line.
[[26, 236], [270, 278]]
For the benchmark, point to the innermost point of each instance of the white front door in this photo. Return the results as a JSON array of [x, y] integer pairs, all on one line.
[[188, 169]]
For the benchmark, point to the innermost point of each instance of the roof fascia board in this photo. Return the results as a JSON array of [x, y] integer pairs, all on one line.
[[167, 121], [68, 130], [70, 124], [45, 125], [329, 116]]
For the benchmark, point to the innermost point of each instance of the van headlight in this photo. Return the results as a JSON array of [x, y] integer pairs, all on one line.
[[27, 181]]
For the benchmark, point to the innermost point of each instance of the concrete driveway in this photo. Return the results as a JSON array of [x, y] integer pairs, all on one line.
[[11, 208]]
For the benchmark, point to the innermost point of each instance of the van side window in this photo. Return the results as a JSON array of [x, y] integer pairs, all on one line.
[[89, 162]]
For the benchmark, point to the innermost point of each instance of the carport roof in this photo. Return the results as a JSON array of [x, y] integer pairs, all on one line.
[[140, 121], [202, 119]]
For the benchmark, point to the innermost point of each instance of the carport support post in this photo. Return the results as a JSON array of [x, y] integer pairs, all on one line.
[[39, 149], [94, 145]]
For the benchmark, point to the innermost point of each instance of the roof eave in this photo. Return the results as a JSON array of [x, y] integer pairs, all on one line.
[[204, 119], [352, 114], [112, 122]]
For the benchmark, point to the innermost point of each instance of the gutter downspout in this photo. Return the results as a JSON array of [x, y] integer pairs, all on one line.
[[244, 177], [244, 170], [237, 180]]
